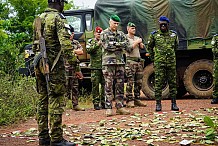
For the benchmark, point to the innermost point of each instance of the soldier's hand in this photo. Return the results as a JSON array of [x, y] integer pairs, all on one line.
[[78, 52], [139, 40], [79, 75]]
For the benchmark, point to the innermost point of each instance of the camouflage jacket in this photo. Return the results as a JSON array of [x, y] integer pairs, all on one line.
[[214, 44], [56, 36], [162, 46], [114, 45], [95, 52]]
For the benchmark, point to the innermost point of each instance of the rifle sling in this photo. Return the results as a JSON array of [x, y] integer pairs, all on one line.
[[56, 60]]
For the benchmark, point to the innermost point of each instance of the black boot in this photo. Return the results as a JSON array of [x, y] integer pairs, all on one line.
[[62, 143], [214, 101], [158, 105], [174, 106], [44, 141], [96, 106]]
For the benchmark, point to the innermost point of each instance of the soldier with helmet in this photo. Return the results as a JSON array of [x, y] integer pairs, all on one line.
[[214, 44], [114, 44], [162, 45], [51, 103]]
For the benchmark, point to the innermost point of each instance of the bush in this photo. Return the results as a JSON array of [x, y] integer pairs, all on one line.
[[18, 98]]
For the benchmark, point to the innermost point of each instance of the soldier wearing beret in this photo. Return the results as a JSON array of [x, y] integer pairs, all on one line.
[[51, 103], [134, 68], [214, 44], [73, 72], [114, 44], [162, 45], [94, 48]]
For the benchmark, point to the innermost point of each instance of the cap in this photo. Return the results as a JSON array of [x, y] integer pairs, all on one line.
[[98, 29], [115, 18], [55, 1], [130, 24], [164, 18]]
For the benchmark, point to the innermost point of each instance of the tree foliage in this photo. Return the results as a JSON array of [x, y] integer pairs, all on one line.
[[16, 19]]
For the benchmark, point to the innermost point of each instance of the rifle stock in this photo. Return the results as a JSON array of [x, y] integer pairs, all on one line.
[[42, 47]]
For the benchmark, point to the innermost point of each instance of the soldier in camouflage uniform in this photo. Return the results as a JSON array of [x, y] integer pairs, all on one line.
[[214, 44], [162, 45], [52, 104], [94, 48], [114, 43], [134, 68], [73, 73]]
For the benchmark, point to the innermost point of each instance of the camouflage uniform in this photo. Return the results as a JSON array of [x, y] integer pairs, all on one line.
[[72, 83], [97, 78], [113, 65], [134, 72], [162, 47], [214, 43], [56, 39]]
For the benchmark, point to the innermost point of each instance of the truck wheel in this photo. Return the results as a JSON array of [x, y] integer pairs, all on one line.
[[148, 83], [198, 78]]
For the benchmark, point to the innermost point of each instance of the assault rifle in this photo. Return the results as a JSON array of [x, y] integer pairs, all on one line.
[[42, 48]]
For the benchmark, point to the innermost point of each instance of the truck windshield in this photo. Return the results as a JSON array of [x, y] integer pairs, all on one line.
[[76, 22]]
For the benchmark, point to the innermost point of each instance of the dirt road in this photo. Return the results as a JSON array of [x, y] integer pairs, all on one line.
[[142, 127]]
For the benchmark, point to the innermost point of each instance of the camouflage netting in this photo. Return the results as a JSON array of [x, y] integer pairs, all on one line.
[[190, 18]]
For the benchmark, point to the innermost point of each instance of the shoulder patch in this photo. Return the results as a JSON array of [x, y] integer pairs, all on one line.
[[154, 32], [62, 16]]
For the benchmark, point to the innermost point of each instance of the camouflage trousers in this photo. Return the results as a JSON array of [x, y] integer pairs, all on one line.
[[165, 72], [215, 77], [114, 84], [72, 84], [134, 74], [97, 78], [51, 105]]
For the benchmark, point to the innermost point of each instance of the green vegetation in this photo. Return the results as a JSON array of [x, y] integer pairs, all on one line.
[[17, 94], [17, 99], [211, 132]]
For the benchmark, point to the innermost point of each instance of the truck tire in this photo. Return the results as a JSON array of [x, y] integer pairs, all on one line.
[[198, 78], [148, 83]]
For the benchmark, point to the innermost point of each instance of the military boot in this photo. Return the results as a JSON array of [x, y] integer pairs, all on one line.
[[78, 108], [62, 143], [214, 101], [174, 106], [44, 141], [122, 111], [139, 103], [130, 104], [158, 105], [96, 106], [109, 112]]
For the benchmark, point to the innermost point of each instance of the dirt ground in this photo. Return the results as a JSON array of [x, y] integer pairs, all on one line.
[[143, 127]]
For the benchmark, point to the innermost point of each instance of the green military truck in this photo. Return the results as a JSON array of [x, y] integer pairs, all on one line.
[[195, 21]]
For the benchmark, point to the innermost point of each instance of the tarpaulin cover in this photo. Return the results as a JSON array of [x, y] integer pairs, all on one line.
[[190, 18]]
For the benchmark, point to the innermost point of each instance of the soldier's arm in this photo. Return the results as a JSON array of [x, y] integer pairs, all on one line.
[[92, 46], [108, 44], [150, 47], [64, 39], [124, 43]]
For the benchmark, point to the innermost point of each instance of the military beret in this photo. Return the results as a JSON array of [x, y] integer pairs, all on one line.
[[98, 29], [164, 18], [115, 18], [131, 24], [55, 1]]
